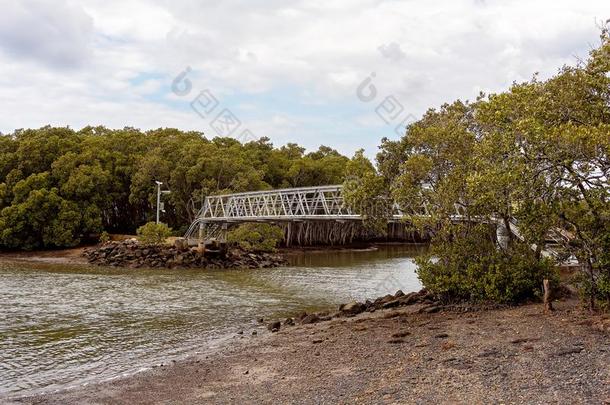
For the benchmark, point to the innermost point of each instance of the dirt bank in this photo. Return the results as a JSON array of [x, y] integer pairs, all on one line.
[[63, 256], [511, 355]]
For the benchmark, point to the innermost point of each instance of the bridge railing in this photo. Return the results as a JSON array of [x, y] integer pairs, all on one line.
[[282, 203]]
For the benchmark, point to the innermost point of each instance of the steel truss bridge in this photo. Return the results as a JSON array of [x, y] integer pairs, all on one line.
[[321, 203]]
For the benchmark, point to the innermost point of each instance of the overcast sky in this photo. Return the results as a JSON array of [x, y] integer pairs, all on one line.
[[289, 70]]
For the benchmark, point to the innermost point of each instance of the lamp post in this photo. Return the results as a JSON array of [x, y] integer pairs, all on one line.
[[159, 192]]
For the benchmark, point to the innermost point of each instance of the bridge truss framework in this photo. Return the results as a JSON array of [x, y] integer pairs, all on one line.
[[321, 203]]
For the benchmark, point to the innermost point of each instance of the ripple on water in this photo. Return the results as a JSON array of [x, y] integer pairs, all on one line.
[[66, 326]]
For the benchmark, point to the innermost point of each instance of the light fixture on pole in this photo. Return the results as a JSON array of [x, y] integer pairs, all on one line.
[[160, 206]]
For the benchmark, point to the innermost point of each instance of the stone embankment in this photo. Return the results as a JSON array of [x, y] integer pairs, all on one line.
[[131, 253], [400, 299]]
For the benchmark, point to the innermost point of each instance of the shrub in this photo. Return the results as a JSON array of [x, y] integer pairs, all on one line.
[[603, 290], [596, 289], [153, 233], [256, 237], [104, 237], [469, 267]]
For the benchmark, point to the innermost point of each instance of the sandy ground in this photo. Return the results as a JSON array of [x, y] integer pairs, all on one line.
[[517, 355], [62, 256]]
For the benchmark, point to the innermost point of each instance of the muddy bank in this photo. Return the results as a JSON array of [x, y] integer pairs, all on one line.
[[132, 254], [63, 256], [394, 355]]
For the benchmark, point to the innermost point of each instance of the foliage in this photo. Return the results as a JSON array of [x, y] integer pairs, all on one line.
[[153, 233], [364, 192], [536, 156], [471, 268], [256, 237], [41, 218], [104, 237], [58, 186]]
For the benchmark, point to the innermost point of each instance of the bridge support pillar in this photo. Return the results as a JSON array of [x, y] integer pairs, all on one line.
[[200, 240], [223, 233]]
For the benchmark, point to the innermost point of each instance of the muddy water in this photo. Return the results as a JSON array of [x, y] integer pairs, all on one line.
[[62, 326]]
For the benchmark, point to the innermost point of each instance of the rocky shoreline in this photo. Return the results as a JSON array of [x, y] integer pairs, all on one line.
[[132, 254], [425, 301], [403, 353]]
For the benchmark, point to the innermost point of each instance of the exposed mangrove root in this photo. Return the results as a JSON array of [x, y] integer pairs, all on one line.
[[312, 233]]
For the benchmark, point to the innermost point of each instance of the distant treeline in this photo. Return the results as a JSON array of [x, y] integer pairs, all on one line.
[[59, 186]]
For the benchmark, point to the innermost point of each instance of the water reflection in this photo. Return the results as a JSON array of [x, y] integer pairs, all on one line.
[[63, 325]]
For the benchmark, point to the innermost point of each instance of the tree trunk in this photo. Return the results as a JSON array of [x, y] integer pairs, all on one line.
[[548, 306]]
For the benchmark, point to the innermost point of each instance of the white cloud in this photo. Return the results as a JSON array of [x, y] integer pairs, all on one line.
[[44, 32], [112, 62]]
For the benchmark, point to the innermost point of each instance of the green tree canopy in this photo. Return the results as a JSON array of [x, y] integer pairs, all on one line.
[[59, 186], [534, 159]]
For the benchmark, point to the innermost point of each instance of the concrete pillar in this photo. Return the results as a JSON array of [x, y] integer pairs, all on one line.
[[201, 241]]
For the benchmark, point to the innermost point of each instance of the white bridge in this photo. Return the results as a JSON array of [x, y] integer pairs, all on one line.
[[305, 204], [321, 203]]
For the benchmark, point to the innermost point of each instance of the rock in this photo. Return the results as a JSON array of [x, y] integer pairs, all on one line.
[[352, 308], [181, 244], [399, 294], [311, 318], [378, 303], [391, 304], [409, 299], [254, 333], [274, 326], [386, 298], [289, 322]]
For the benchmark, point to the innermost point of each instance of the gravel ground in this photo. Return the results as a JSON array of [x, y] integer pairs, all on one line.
[[517, 355]]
